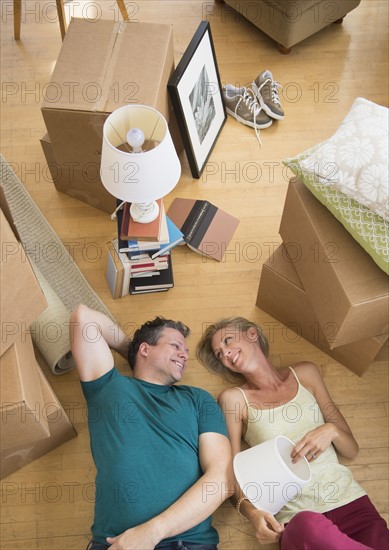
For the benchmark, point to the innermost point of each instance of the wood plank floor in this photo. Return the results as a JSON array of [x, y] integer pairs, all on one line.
[[349, 60]]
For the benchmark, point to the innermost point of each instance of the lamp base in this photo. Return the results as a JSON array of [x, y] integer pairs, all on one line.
[[144, 212]]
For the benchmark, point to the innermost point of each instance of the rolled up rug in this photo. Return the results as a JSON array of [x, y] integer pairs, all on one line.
[[61, 279], [50, 332]]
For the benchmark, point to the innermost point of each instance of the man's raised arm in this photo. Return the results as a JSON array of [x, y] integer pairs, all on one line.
[[92, 336]]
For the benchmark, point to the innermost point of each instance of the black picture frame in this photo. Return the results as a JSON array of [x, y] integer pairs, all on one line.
[[195, 93]]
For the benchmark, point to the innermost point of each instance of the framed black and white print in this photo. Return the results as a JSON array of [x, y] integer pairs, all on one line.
[[195, 92]]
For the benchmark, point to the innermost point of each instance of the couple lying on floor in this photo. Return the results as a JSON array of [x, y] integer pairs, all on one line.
[[163, 452]]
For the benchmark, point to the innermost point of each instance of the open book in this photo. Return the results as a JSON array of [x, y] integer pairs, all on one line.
[[207, 229]]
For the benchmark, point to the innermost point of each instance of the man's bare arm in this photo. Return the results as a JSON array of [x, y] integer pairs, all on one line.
[[195, 505], [92, 336]]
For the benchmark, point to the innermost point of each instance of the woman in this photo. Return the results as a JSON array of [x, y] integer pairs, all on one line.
[[333, 511]]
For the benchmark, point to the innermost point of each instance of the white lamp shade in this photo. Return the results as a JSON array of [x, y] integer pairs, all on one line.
[[267, 475], [138, 177]]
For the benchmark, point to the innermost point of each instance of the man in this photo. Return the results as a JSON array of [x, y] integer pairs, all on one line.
[[161, 451]]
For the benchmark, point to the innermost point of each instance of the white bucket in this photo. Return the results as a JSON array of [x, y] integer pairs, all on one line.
[[267, 476]]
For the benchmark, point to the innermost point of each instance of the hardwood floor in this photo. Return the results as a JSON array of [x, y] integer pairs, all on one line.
[[49, 503]]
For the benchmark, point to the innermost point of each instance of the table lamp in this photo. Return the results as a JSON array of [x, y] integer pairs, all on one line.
[[139, 163]]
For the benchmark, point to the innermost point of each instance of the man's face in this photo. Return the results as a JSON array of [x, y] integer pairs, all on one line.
[[167, 359]]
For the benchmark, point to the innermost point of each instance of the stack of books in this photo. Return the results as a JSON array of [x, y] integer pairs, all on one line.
[[139, 260]]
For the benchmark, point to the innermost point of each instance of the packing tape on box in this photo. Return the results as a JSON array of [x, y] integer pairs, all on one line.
[[50, 332]]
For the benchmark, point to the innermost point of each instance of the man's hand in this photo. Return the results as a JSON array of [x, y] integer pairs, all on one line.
[[141, 537]]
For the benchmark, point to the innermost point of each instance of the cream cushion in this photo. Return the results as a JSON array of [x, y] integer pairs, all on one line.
[[355, 159]]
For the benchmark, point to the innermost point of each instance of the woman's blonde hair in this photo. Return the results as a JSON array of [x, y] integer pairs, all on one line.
[[206, 355]]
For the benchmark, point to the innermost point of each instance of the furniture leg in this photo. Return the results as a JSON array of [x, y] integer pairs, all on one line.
[[17, 5], [123, 9], [17, 18], [61, 17], [282, 49]]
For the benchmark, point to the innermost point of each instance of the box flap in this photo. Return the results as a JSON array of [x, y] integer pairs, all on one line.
[[280, 262], [22, 299], [61, 430], [104, 65], [334, 249], [7, 213], [21, 397]]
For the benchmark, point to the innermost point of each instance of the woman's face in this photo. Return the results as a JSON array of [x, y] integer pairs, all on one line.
[[236, 350]]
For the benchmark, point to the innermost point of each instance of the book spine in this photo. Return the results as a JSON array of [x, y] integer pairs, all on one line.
[[113, 273], [126, 266], [142, 274], [151, 268], [148, 291], [165, 250], [126, 281], [198, 222]]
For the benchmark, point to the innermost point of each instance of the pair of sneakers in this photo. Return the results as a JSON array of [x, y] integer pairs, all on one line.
[[257, 106]]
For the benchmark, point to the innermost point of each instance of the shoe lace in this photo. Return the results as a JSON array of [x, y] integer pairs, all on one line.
[[273, 88], [251, 102]]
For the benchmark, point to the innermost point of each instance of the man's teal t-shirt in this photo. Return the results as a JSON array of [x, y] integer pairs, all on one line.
[[145, 444]]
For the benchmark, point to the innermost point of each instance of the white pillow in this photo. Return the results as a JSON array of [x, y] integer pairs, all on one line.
[[355, 159]]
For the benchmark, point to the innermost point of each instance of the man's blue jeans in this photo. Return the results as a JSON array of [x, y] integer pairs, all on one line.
[[174, 545]]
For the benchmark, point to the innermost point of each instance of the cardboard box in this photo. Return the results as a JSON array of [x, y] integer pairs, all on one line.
[[383, 354], [282, 295], [101, 66], [21, 398], [22, 299], [345, 286], [60, 431]]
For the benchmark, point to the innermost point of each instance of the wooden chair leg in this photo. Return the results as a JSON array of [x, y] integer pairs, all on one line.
[[123, 9], [17, 18], [61, 17], [17, 4]]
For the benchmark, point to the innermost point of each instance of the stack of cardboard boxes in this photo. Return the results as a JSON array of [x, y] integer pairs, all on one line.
[[32, 419], [101, 66], [324, 286]]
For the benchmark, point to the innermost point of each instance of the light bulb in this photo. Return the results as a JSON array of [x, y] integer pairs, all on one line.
[[136, 138]]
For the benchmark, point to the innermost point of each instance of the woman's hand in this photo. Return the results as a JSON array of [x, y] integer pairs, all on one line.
[[314, 442], [335, 431], [267, 528]]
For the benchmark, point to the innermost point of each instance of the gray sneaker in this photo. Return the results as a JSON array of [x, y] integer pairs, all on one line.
[[266, 91], [242, 104]]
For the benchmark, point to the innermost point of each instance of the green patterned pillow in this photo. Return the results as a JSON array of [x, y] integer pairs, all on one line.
[[369, 229]]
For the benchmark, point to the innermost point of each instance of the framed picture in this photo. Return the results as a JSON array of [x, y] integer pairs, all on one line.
[[195, 92]]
